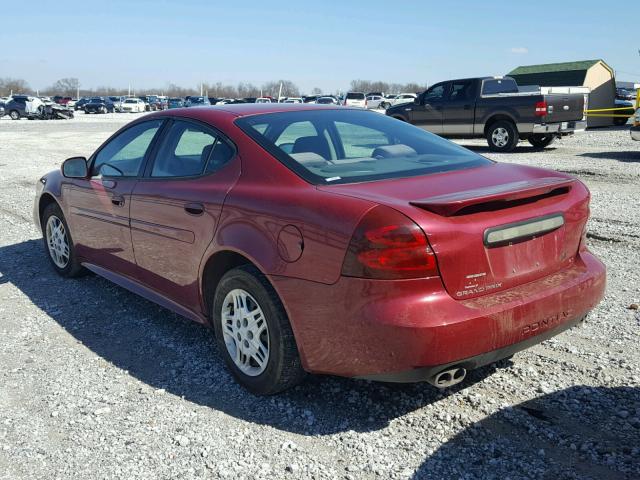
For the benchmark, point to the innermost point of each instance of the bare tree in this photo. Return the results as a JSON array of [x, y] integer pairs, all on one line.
[[13, 85], [367, 86], [316, 91], [247, 90], [289, 89], [64, 86]]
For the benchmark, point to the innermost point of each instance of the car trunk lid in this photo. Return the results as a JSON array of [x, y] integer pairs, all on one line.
[[491, 228]]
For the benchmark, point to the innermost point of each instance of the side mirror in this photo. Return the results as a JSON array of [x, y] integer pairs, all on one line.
[[75, 167], [418, 100]]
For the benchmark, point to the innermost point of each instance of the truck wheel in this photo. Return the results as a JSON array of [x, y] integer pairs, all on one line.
[[14, 114], [541, 141], [502, 136]]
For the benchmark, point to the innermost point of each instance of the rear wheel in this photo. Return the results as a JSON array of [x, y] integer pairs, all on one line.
[[541, 141], [58, 243], [502, 136], [14, 114], [253, 333]]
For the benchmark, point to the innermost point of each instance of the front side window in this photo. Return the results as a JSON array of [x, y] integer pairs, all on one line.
[[435, 93], [189, 150], [346, 146], [123, 155]]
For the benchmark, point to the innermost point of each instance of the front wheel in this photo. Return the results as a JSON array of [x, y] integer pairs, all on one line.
[[502, 136], [541, 141], [14, 114], [253, 333], [58, 243]]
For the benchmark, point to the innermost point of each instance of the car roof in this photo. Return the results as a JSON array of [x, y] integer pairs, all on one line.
[[247, 109]]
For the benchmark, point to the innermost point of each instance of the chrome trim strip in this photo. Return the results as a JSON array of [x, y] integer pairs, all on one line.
[[518, 231]]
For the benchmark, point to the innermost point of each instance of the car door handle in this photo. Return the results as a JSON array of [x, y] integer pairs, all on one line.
[[118, 200], [194, 208]]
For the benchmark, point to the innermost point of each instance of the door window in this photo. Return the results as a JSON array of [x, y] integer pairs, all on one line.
[[190, 150], [434, 94], [460, 90], [123, 156]]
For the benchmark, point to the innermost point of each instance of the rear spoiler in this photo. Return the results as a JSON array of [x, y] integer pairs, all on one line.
[[451, 203]]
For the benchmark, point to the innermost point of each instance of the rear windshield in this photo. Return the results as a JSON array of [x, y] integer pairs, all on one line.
[[347, 146], [355, 96], [502, 85]]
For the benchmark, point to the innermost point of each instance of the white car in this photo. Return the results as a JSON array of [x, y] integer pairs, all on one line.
[[263, 100], [355, 99], [635, 128], [293, 100], [374, 101], [133, 105], [391, 100]]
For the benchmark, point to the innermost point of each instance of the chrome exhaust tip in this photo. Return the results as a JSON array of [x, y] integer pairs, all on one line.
[[449, 377]]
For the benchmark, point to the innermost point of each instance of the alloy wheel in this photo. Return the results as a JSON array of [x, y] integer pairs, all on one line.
[[245, 332], [57, 241], [500, 137]]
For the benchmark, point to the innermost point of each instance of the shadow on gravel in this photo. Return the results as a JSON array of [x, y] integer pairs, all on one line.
[[630, 156], [578, 433], [166, 352], [522, 148]]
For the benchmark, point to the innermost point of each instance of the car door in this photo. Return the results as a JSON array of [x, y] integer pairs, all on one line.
[[176, 206], [458, 109], [99, 206], [427, 113]]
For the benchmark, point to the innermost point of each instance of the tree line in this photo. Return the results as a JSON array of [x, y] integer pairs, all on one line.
[[70, 86]]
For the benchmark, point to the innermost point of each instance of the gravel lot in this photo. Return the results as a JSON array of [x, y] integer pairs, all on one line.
[[97, 383]]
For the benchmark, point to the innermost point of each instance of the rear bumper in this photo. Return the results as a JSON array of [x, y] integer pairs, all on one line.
[[408, 330], [423, 374], [562, 128], [635, 133]]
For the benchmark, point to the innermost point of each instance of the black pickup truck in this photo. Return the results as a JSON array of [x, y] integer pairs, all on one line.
[[496, 109]]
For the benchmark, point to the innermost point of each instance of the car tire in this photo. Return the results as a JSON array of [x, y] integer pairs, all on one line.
[[259, 348], [56, 235], [385, 105], [540, 141], [14, 114], [502, 136]]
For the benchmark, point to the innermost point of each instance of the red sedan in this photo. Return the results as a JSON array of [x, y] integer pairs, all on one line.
[[327, 240]]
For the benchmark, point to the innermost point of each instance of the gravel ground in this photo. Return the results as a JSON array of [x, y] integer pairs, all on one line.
[[98, 383]]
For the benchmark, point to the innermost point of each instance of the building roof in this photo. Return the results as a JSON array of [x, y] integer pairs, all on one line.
[[554, 74]]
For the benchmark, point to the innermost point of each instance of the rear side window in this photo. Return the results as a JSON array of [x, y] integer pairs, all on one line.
[[355, 96], [460, 90], [189, 150], [499, 85]]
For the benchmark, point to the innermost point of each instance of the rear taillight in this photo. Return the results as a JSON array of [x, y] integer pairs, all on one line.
[[541, 109], [388, 245]]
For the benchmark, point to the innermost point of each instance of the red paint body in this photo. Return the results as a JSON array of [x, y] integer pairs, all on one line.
[[297, 235]]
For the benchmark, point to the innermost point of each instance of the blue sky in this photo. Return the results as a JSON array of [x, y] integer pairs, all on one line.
[[324, 44]]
